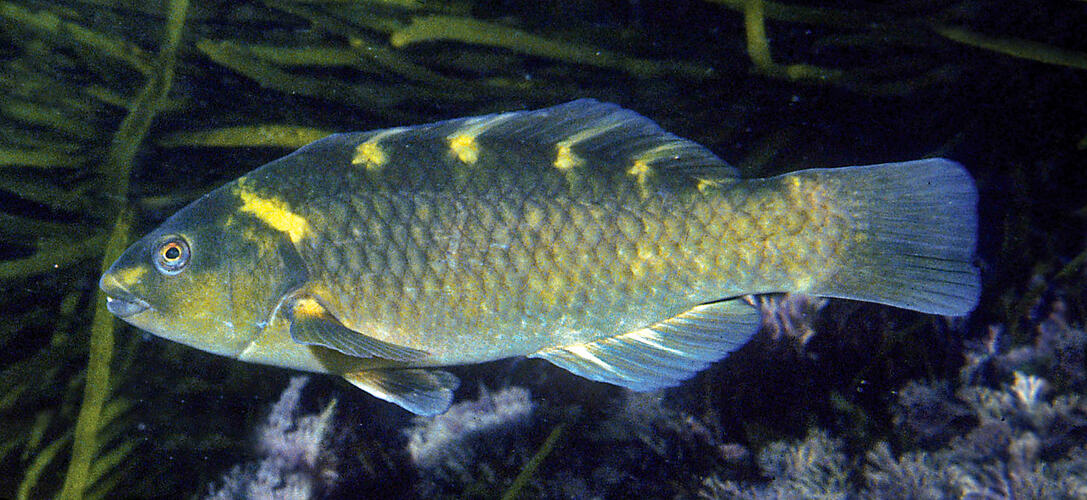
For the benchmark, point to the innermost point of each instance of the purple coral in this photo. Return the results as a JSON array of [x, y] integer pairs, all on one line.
[[295, 463], [435, 440]]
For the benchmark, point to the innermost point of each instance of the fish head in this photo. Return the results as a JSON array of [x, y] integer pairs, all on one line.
[[209, 277]]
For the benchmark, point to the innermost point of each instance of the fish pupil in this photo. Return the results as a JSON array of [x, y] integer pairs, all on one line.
[[172, 253]]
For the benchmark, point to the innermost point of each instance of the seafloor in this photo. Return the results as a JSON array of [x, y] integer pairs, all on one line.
[[115, 113]]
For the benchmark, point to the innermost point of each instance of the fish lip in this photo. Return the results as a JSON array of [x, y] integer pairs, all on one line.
[[125, 307], [119, 301]]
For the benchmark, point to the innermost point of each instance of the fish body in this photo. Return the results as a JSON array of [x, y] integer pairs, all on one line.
[[582, 234]]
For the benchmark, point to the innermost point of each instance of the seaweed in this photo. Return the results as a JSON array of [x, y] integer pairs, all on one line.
[[98, 449]]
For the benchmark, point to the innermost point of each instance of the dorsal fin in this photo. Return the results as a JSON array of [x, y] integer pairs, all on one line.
[[603, 135], [580, 144]]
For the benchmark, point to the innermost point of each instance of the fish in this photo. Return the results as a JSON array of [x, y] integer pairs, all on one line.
[[583, 234]]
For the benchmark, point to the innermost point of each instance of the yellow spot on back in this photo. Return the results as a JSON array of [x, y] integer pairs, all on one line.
[[641, 170], [565, 159], [463, 142], [276, 213], [706, 184], [370, 155], [465, 147]]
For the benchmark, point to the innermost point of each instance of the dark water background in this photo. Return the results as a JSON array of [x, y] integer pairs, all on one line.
[[999, 86]]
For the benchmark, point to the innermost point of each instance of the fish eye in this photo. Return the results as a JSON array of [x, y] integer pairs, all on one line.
[[172, 256]]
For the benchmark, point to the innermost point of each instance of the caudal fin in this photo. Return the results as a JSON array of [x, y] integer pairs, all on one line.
[[920, 219]]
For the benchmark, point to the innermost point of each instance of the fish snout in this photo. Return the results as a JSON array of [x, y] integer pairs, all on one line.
[[120, 301]]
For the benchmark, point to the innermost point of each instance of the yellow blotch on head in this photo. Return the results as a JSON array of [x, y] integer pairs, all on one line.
[[565, 159], [130, 274], [274, 212], [465, 147]]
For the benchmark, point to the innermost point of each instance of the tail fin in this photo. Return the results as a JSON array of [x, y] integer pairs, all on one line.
[[921, 221]]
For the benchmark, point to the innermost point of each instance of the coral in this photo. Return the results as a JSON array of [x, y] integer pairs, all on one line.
[[295, 461], [913, 475], [813, 468], [789, 316], [446, 438], [465, 446], [643, 446], [1058, 350], [1003, 433], [1008, 454], [1016, 428]]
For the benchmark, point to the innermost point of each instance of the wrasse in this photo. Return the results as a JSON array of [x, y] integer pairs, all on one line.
[[583, 234]]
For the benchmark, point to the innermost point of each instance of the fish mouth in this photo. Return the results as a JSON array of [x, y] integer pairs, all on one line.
[[123, 308], [119, 301]]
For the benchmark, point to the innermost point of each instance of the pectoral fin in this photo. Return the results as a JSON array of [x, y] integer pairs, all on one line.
[[664, 353], [312, 324], [422, 392]]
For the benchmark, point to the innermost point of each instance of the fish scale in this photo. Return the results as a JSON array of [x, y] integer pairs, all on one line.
[[538, 270], [582, 234]]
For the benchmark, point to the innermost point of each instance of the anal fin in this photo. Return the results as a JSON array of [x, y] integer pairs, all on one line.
[[662, 354], [312, 324], [422, 392]]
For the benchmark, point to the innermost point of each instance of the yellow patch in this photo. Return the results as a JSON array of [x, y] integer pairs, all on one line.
[[275, 213], [803, 284], [370, 155], [534, 215], [130, 274], [465, 147], [565, 159], [308, 307], [641, 170], [706, 184], [463, 142]]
